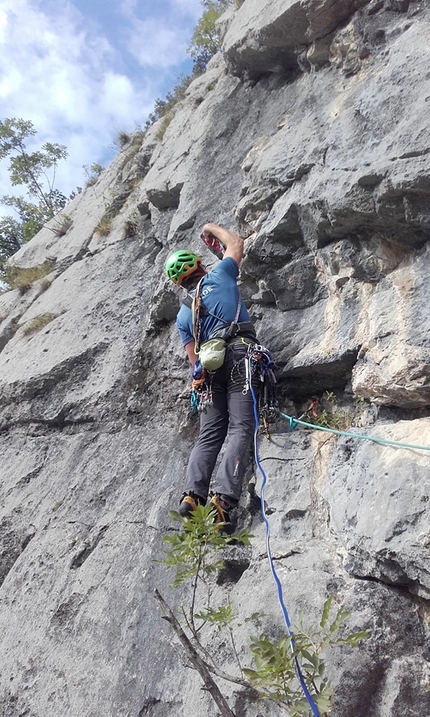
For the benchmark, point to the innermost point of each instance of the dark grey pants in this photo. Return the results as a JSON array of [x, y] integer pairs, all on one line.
[[231, 416]]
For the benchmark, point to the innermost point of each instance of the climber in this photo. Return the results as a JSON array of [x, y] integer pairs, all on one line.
[[230, 410]]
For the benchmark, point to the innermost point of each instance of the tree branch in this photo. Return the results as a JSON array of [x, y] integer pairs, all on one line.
[[195, 658]]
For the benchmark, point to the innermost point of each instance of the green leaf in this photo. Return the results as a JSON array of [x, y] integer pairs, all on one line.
[[339, 619], [255, 616], [312, 659], [222, 615], [326, 611]]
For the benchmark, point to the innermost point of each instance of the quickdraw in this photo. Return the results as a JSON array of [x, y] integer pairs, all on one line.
[[259, 363], [201, 389]]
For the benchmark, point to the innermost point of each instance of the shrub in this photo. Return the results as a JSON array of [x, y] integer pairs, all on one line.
[[38, 323], [131, 226], [211, 86], [195, 555], [165, 107], [92, 172], [104, 226], [326, 412], [123, 138], [205, 43], [16, 277], [62, 226]]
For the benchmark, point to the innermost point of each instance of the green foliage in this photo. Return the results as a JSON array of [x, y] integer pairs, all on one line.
[[29, 169], [330, 415], [194, 554], [211, 86], [36, 172], [275, 675], [205, 40], [193, 551], [221, 616], [62, 226], [167, 107], [327, 413], [92, 173], [11, 240]]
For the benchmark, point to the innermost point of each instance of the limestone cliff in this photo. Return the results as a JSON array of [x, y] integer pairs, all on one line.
[[309, 134]]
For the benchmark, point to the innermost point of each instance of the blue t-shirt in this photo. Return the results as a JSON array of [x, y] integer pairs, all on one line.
[[220, 296]]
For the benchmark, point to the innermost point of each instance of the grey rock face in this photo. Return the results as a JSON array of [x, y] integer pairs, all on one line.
[[309, 135]]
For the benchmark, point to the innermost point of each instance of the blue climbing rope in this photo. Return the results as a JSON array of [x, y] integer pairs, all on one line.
[[297, 421], [275, 576]]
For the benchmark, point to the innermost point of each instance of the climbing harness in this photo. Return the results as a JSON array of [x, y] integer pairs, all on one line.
[[294, 422], [275, 576]]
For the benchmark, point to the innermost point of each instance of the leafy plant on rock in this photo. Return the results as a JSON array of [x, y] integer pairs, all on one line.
[[38, 323], [196, 555], [23, 278], [92, 173], [275, 673], [104, 226], [62, 226], [326, 412]]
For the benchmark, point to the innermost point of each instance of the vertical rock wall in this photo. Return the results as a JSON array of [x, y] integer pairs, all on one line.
[[309, 135]]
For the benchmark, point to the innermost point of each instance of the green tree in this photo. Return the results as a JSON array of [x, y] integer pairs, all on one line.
[[11, 239], [196, 555], [205, 40], [36, 171]]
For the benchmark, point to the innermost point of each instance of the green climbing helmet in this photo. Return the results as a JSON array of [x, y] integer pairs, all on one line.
[[180, 264]]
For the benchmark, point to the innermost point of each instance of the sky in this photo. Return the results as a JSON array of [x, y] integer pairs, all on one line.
[[83, 70]]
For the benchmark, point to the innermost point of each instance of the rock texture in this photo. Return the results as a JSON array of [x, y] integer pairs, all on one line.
[[309, 134]]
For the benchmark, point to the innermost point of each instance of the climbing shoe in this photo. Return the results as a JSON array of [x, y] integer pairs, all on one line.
[[188, 503], [222, 514]]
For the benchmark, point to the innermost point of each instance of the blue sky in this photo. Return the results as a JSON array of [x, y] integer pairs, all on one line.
[[81, 70]]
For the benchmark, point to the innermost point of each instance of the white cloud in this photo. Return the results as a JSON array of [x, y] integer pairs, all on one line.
[[161, 39], [60, 70], [154, 45]]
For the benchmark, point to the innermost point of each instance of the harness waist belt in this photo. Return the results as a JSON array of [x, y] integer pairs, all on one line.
[[247, 340], [229, 331]]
